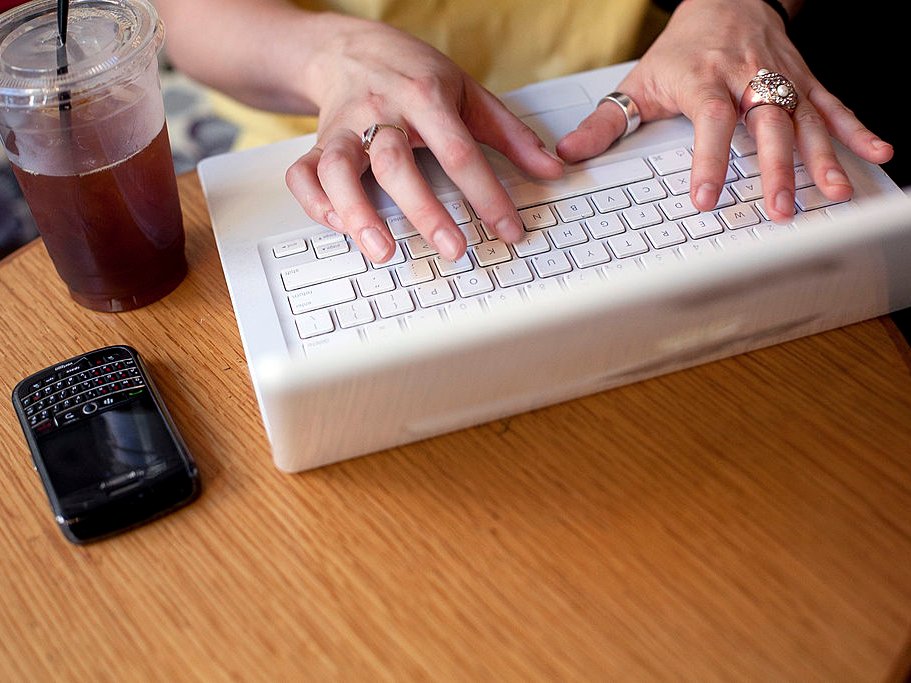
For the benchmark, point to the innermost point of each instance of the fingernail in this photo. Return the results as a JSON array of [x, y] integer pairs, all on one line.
[[336, 222], [706, 196], [836, 177], [375, 243], [509, 229], [879, 144], [784, 203], [448, 244]]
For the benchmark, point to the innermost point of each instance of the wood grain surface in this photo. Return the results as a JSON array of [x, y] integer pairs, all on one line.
[[744, 520]]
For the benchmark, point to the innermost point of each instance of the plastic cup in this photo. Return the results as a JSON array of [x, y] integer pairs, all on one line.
[[85, 132]]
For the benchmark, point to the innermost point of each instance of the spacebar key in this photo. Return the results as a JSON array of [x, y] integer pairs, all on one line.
[[324, 270], [602, 177]]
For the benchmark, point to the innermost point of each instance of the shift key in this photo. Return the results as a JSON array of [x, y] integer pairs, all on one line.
[[327, 269], [322, 295]]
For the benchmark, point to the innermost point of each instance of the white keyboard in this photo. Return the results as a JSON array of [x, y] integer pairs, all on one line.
[[633, 214]]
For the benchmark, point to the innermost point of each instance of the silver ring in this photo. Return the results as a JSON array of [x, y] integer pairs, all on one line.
[[768, 87], [368, 135], [628, 107]]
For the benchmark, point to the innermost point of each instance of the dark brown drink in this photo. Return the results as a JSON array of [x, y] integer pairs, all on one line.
[[115, 235]]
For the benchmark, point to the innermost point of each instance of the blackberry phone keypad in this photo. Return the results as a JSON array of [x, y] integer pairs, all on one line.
[[79, 388]]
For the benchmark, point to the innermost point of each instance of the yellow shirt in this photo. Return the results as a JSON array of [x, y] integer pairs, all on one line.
[[503, 44]]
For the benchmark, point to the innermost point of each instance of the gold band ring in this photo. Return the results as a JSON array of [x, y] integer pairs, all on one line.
[[368, 135]]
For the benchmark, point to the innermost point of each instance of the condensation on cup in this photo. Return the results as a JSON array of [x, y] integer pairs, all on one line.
[[83, 125]]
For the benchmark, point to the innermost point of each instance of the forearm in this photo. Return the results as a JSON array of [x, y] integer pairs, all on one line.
[[260, 52]]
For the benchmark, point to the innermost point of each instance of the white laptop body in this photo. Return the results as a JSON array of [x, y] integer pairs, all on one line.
[[652, 317]]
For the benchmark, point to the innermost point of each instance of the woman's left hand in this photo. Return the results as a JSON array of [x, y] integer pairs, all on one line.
[[699, 66]]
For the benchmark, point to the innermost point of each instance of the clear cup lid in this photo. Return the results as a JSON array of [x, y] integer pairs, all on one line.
[[106, 41]]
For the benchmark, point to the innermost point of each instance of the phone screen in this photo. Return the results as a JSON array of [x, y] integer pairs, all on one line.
[[127, 442]]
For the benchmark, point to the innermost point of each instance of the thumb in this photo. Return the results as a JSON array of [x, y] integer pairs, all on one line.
[[602, 128]]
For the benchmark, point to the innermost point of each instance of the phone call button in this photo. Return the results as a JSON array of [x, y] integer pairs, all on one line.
[[65, 418]]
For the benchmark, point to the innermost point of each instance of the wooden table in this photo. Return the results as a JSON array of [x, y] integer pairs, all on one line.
[[745, 520]]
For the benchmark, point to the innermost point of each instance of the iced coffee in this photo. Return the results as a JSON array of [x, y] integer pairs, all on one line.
[[89, 146]]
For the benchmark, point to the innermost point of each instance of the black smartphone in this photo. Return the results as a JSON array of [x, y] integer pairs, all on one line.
[[107, 450]]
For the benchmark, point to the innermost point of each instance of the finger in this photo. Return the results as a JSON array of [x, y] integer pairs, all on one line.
[[598, 131], [491, 123], [462, 160], [302, 180], [714, 119], [818, 154], [394, 168], [773, 130], [845, 127], [339, 171]]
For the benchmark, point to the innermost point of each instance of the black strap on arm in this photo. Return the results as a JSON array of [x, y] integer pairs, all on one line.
[[671, 5]]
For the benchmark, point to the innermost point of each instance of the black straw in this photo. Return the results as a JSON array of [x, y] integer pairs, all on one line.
[[63, 11]]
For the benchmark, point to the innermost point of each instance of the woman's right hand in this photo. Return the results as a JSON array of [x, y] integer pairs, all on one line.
[[366, 72]]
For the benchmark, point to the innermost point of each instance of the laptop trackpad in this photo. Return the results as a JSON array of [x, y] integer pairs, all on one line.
[[551, 126], [551, 110], [545, 97]]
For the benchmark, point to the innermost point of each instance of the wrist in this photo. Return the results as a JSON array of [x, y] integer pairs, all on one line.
[[320, 37], [288, 63]]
